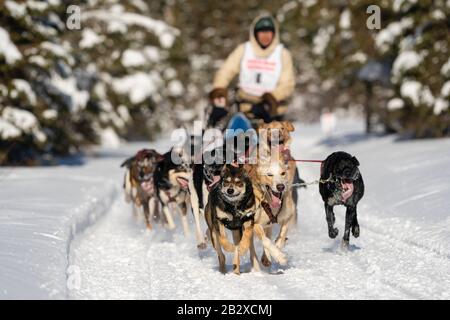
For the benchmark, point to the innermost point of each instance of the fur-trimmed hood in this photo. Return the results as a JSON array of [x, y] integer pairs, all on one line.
[[276, 40]]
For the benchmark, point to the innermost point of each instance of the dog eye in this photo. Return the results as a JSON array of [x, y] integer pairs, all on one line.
[[270, 175], [283, 173]]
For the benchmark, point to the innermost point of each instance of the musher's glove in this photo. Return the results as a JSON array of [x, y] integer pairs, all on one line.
[[262, 111], [272, 103], [218, 93], [217, 114]]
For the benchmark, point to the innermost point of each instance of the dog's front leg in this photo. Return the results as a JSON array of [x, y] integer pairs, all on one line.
[[226, 244], [270, 249], [216, 243], [154, 208], [281, 239], [151, 205], [237, 236], [236, 262], [349, 218], [194, 200], [147, 214], [355, 225], [247, 235], [169, 218], [182, 208], [332, 231], [265, 258], [244, 245]]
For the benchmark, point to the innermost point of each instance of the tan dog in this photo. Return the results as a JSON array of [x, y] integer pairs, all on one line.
[[272, 178], [280, 129]]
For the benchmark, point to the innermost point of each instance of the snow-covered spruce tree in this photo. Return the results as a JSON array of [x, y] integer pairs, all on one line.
[[136, 90], [417, 38], [61, 89], [43, 111], [334, 37]]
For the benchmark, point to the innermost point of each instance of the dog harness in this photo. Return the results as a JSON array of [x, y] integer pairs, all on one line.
[[238, 219], [268, 211]]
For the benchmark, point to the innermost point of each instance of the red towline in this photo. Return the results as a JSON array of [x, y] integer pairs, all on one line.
[[301, 160]]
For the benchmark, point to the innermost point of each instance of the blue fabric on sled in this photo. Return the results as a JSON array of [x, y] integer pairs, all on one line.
[[238, 121], [239, 125]]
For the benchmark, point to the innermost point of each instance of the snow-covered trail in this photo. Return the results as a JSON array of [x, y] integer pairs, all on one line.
[[402, 253]]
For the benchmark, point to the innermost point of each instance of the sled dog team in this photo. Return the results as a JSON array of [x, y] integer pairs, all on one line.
[[245, 198]]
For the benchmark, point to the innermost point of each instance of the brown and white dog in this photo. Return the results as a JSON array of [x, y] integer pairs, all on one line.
[[175, 190], [231, 205], [139, 183]]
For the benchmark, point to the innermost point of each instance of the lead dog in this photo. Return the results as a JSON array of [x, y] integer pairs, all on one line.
[[272, 177], [345, 187], [275, 204], [231, 205], [139, 184]]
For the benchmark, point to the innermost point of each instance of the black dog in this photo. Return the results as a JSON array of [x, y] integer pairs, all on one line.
[[344, 186]]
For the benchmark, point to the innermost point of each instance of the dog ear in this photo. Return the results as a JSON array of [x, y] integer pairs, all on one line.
[[355, 161], [289, 126], [127, 163], [262, 125]]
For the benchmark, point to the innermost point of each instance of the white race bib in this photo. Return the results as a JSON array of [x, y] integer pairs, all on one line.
[[260, 75]]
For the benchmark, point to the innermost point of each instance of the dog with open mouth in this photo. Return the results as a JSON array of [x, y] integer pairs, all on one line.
[[172, 188], [276, 136], [275, 204], [231, 205], [139, 183], [343, 185]]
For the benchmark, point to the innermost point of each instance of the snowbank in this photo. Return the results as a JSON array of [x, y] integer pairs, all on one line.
[[42, 209]]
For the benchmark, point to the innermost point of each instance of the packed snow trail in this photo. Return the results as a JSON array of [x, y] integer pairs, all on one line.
[[402, 253]]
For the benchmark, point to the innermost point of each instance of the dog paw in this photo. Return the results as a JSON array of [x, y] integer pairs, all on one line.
[[201, 246], [333, 232], [355, 231], [345, 244], [236, 270], [280, 243], [169, 227], [265, 261], [149, 226], [282, 259]]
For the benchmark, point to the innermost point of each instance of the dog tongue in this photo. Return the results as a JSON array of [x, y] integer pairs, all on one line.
[[215, 180], [147, 186], [182, 182], [348, 190], [276, 202]]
